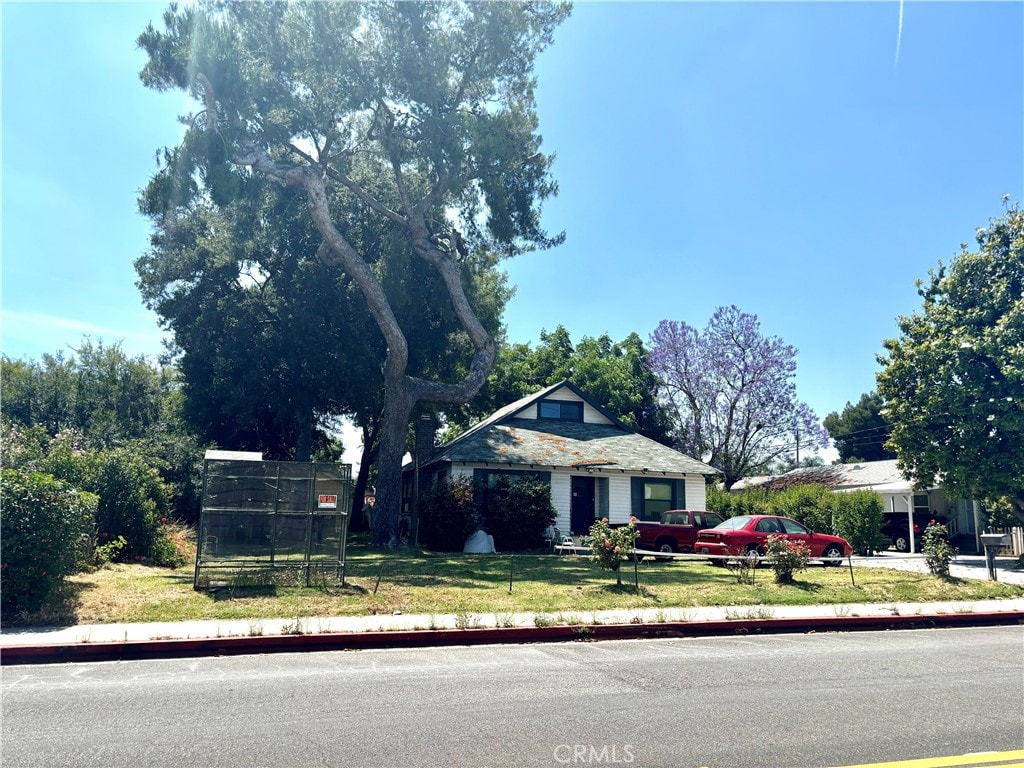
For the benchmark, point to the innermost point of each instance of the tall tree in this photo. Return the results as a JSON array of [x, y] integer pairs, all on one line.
[[732, 394], [261, 328], [861, 430], [953, 382], [411, 111]]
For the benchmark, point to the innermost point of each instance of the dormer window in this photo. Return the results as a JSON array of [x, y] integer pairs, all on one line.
[[560, 409]]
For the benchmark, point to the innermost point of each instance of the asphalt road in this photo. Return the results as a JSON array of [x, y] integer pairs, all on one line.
[[773, 701]]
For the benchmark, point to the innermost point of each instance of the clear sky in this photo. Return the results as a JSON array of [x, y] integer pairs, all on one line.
[[806, 162]]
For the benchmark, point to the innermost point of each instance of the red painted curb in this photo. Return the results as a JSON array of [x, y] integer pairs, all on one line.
[[231, 646]]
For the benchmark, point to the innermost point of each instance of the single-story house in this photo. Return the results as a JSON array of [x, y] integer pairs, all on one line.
[[897, 491], [596, 465]]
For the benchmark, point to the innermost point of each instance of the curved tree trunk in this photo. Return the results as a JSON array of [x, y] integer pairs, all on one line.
[[398, 405]]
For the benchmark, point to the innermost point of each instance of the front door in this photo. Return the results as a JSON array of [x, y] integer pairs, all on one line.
[[581, 515]]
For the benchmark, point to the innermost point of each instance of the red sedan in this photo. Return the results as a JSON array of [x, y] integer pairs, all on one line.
[[744, 534]]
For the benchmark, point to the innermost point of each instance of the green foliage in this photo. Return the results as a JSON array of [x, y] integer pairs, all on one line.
[[953, 381], [133, 498], [58, 409], [107, 550], [751, 501], [786, 557], [860, 431], [519, 511], [811, 504], [174, 545], [858, 518], [609, 547], [132, 495], [46, 529], [105, 395], [448, 514], [23, 446], [938, 552]]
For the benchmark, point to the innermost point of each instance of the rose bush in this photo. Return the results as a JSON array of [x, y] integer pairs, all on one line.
[[786, 557], [610, 546]]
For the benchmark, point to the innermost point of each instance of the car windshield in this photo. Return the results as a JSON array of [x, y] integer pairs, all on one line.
[[733, 523]]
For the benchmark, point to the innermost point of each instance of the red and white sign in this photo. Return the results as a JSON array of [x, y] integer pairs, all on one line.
[[327, 501]]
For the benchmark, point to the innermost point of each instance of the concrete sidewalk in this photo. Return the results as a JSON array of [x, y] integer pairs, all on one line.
[[380, 631]]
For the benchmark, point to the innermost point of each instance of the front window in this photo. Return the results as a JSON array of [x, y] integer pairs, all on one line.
[[657, 499]]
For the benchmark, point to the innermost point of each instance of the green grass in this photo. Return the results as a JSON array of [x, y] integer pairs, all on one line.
[[467, 585]]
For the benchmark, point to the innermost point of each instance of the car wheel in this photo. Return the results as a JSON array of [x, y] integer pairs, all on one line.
[[833, 555], [753, 549], [901, 542], [667, 548]]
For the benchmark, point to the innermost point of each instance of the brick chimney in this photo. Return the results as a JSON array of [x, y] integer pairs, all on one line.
[[426, 428]]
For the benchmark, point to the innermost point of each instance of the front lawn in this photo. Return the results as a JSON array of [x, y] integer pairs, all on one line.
[[420, 583]]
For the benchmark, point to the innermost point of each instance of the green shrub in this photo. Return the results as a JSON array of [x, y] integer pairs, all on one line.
[[22, 447], [174, 545], [133, 498], [752, 501], [448, 515], [45, 531], [610, 546], [938, 552], [519, 512], [858, 517], [106, 550]]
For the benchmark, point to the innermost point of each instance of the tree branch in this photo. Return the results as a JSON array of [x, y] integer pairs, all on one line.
[[354, 187]]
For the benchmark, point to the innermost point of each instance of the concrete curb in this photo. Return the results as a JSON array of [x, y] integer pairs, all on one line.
[[342, 641]]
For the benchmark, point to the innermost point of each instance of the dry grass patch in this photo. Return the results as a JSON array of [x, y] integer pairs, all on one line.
[[477, 584]]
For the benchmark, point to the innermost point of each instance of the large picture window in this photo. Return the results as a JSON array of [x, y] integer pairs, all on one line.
[[651, 497], [657, 499]]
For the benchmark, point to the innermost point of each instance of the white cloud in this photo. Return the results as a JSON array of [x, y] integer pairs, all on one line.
[[31, 334]]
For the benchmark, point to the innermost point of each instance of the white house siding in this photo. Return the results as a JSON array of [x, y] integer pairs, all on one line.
[[561, 499], [696, 493], [620, 499]]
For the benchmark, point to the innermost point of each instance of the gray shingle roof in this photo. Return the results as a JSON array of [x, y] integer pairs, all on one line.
[[553, 443]]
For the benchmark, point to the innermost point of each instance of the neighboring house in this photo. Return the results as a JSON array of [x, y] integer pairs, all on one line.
[[884, 478], [596, 465]]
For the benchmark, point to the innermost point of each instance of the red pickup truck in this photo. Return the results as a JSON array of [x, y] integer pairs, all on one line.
[[677, 530]]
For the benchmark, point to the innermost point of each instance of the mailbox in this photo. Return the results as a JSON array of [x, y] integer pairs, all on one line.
[[992, 542], [995, 540]]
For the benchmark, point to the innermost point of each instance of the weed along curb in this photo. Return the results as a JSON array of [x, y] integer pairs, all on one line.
[[342, 641]]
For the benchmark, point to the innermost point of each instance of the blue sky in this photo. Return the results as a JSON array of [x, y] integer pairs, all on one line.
[[779, 157]]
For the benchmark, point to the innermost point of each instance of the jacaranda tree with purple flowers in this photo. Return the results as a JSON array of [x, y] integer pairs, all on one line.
[[732, 394]]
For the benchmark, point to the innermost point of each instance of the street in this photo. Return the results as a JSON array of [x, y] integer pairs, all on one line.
[[773, 701]]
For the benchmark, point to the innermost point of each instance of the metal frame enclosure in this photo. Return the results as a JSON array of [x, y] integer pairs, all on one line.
[[268, 522]]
